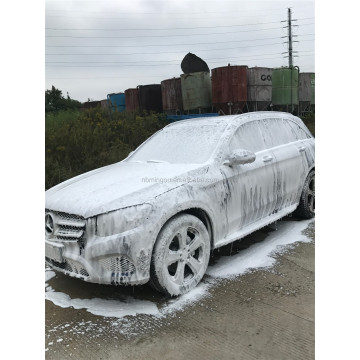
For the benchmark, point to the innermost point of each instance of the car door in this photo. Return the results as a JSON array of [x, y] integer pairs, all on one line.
[[291, 169], [251, 187]]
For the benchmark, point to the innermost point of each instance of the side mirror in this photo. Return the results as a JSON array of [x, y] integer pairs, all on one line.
[[240, 157]]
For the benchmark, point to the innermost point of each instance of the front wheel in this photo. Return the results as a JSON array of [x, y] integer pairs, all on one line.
[[181, 255], [306, 207]]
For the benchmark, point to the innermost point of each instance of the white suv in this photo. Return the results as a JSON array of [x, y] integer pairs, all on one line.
[[193, 186]]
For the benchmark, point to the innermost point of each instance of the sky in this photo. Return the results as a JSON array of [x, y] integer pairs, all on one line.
[[93, 48]]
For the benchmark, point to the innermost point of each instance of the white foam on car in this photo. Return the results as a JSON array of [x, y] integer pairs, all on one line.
[[260, 255]]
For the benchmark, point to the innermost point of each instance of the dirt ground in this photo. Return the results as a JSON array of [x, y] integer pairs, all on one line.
[[263, 314]]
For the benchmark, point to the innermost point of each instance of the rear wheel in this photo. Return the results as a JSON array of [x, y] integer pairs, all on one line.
[[306, 207], [181, 255]]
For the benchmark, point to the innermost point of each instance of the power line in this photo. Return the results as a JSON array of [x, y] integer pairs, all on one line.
[[274, 28], [152, 45], [198, 50], [156, 61], [172, 28], [126, 15], [165, 61], [139, 36], [152, 65], [271, 38], [168, 52], [150, 36], [203, 13], [164, 13], [147, 36]]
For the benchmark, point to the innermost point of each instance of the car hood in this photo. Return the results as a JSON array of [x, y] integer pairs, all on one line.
[[117, 186]]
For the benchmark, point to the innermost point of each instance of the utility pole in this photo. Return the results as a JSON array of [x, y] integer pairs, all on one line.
[[290, 52], [290, 39]]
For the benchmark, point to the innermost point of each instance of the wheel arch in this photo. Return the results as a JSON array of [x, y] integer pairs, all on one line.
[[202, 215]]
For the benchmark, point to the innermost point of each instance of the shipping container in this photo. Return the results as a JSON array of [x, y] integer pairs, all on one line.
[[132, 100], [171, 96], [229, 88], [259, 88], [285, 89], [196, 92], [150, 98], [104, 104], [116, 101], [307, 92], [91, 104]]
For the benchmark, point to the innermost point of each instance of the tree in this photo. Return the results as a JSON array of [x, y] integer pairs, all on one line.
[[55, 101]]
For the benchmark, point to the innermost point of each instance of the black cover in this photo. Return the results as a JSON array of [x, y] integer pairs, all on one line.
[[192, 63]]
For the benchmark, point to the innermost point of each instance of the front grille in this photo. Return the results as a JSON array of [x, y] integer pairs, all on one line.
[[67, 227], [70, 266], [118, 264]]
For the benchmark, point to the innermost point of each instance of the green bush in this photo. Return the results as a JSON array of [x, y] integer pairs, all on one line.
[[309, 121], [77, 142], [55, 101]]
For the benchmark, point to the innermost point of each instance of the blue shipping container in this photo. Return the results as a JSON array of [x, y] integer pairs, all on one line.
[[116, 101]]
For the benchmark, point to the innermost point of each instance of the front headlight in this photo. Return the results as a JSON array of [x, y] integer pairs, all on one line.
[[125, 219]]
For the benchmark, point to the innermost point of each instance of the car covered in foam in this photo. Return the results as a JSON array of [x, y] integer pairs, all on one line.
[[193, 186]]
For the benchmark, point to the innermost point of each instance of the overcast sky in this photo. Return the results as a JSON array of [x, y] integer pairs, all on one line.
[[94, 48]]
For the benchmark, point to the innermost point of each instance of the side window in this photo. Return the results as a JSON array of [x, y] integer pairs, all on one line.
[[298, 131], [278, 132], [248, 137]]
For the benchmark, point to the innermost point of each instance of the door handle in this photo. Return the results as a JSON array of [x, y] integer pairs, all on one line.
[[301, 148], [267, 158]]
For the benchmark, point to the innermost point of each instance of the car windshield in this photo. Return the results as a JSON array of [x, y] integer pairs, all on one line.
[[185, 143]]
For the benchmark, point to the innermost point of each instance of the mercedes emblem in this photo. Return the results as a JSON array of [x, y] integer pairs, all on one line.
[[49, 224]]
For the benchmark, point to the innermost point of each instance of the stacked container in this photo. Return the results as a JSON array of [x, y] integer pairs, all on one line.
[[196, 92], [150, 98], [259, 88], [132, 100], [116, 101], [285, 89], [229, 89], [171, 96], [307, 92]]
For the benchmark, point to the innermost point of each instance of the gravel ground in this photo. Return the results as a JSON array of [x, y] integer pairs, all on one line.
[[263, 314]]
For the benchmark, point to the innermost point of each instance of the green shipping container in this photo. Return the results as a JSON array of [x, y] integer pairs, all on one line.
[[285, 86], [196, 90]]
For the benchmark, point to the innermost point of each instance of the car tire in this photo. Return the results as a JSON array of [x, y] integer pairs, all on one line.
[[180, 256], [306, 207]]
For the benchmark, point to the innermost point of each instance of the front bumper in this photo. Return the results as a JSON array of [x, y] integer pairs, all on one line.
[[117, 259]]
